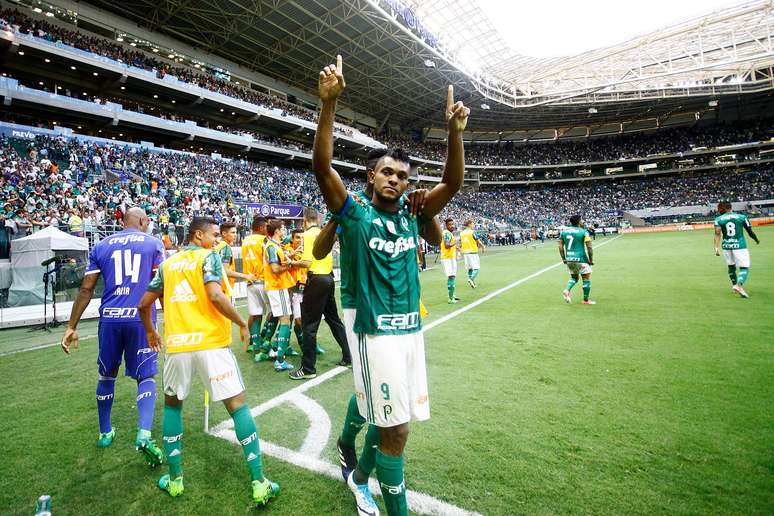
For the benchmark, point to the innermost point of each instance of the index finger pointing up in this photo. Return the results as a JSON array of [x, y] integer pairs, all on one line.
[[338, 63], [450, 98]]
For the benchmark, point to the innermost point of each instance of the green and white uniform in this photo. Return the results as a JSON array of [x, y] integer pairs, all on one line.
[[574, 239], [734, 244], [389, 360]]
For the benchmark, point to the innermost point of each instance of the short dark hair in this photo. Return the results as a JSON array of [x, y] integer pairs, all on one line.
[[575, 220], [226, 226], [448, 220], [724, 205], [200, 224], [273, 225], [258, 222], [377, 154], [296, 231]]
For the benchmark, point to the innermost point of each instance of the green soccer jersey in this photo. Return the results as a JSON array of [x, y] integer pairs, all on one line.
[[732, 228], [345, 261], [384, 270], [575, 239]]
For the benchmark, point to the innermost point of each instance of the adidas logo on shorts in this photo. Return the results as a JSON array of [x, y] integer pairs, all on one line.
[[183, 293]]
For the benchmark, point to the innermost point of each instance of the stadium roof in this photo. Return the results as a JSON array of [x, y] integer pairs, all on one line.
[[397, 68]]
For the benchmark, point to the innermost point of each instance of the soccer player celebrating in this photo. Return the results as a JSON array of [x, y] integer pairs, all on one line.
[[389, 363], [730, 227], [197, 320], [449, 258], [470, 242], [576, 251], [127, 260], [278, 280]]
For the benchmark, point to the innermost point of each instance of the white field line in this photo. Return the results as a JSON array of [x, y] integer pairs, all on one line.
[[418, 502], [43, 346]]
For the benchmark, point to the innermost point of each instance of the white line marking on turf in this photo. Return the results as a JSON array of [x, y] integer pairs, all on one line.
[[418, 502]]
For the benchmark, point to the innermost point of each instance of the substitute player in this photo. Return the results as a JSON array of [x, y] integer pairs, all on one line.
[[295, 250], [576, 251], [278, 281], [389, 365], [730, 227], [257, 302], [228, 236], [127, 260], [449, 246], [470, 244], [197, 336]]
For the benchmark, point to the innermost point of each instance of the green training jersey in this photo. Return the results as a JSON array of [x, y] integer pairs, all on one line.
[[345, 261], [732, 228], [385, 273], [575, 239]]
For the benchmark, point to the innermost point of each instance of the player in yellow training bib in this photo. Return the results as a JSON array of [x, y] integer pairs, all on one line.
[[197, 336], [470, 244], [449, 245]]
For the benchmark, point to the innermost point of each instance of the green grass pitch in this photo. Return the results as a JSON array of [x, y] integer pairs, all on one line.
[[656, 400]]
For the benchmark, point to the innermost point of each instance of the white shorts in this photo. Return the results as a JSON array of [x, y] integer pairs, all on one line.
[[449, 266], [579, 268], [738, 257], [279, 300], [257, 302], [390, 378], [217, 369], [297, 298], [472, 261]]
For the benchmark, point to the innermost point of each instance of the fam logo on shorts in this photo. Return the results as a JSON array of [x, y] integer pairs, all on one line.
[[119, 313], [183, 293]]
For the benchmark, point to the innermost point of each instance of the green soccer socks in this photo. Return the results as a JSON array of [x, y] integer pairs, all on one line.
[[172, 428], [450, 286], [353, 423], [247, 433], [571, 283], [389, 471], [743, 272], [367, 460], [283, 340], [586, 289]]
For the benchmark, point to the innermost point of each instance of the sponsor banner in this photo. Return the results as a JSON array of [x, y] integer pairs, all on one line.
[[762, 221], [282, 211]]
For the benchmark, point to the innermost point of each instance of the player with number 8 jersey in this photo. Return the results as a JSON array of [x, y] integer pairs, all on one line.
[[730, 228]]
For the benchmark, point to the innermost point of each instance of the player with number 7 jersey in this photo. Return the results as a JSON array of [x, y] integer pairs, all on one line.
[[127, 261]]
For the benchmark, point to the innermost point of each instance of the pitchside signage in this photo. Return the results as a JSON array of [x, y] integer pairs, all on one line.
[[284, 211]]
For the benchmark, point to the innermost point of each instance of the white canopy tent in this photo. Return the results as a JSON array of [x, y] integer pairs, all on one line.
[[26, 256]]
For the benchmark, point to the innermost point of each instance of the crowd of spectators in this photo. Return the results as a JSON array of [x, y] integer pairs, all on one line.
[[140, 59], [81, 186], [604, 148]]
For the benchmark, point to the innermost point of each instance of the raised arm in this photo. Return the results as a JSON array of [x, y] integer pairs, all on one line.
[[323, 244], [331, 84], [454, 170]]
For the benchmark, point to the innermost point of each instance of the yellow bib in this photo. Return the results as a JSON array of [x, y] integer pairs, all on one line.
[[468, 241], [191, 321], [281, 281], [252, 255], [448, 253]]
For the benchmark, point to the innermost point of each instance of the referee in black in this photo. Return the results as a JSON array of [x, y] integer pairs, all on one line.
[[319, 300]]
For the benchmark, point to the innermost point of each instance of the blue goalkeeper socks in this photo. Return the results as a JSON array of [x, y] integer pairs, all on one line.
[[105, 389], [146, 400]]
